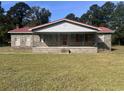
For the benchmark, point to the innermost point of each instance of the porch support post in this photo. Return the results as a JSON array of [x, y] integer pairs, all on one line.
[[58, 37], [96, 42], [84, 38], [33, 39], [67, 38]]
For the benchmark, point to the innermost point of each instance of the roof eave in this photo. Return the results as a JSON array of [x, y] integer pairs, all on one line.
[[50, 23], [20, 32], [67, 32], [106, 32]]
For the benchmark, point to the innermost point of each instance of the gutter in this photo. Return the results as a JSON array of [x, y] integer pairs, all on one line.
[[107, 32], [20, 32]]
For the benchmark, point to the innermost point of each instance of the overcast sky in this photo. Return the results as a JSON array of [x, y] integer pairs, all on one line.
[[59, 9]]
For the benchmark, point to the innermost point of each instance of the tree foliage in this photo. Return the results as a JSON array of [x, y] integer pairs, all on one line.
[[19, 14], [99, 16], [39, 16], [117, 23], [107, 12], [93, 16], [1, 14], [2, 24], [109, 15], [72, 16]]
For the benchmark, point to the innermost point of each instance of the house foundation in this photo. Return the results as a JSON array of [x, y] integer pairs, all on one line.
[[64, 50]]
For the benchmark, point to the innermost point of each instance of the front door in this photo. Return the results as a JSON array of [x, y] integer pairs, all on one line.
[[64, 39]]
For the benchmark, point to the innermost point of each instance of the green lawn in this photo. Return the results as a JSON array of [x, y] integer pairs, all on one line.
[[101, 71]]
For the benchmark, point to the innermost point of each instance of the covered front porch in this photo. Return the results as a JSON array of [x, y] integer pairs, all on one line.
[[67, 39], [66, 43], [66, 35]]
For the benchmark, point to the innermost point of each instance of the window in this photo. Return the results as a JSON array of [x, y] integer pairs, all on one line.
[[23, 39], [17, 41], [28, 41]]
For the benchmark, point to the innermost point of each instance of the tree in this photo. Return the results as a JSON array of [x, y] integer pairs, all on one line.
[[86, 17], [19, 14], [39, 16], [2, 25], [1, 15], [107, 12], [72, 16], [99, 16], [117, 23], [93, 16]]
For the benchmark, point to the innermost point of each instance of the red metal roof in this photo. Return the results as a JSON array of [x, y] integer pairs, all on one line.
[[21, 30], [29, 30], [104, 29]]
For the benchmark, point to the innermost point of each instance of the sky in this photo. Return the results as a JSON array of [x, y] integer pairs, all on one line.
[[59, 9]]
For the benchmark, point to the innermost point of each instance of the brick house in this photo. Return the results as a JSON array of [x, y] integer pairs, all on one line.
[[63, 35]]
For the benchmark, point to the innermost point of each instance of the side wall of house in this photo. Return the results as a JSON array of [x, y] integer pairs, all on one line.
[[26, 40], [21, 40], [104, 41]]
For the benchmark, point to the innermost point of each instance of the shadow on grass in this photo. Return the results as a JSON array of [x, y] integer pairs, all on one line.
[[113, 49], [5, 45]]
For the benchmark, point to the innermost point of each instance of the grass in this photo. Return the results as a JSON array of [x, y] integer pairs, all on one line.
[[101, 71], [9, 50]]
